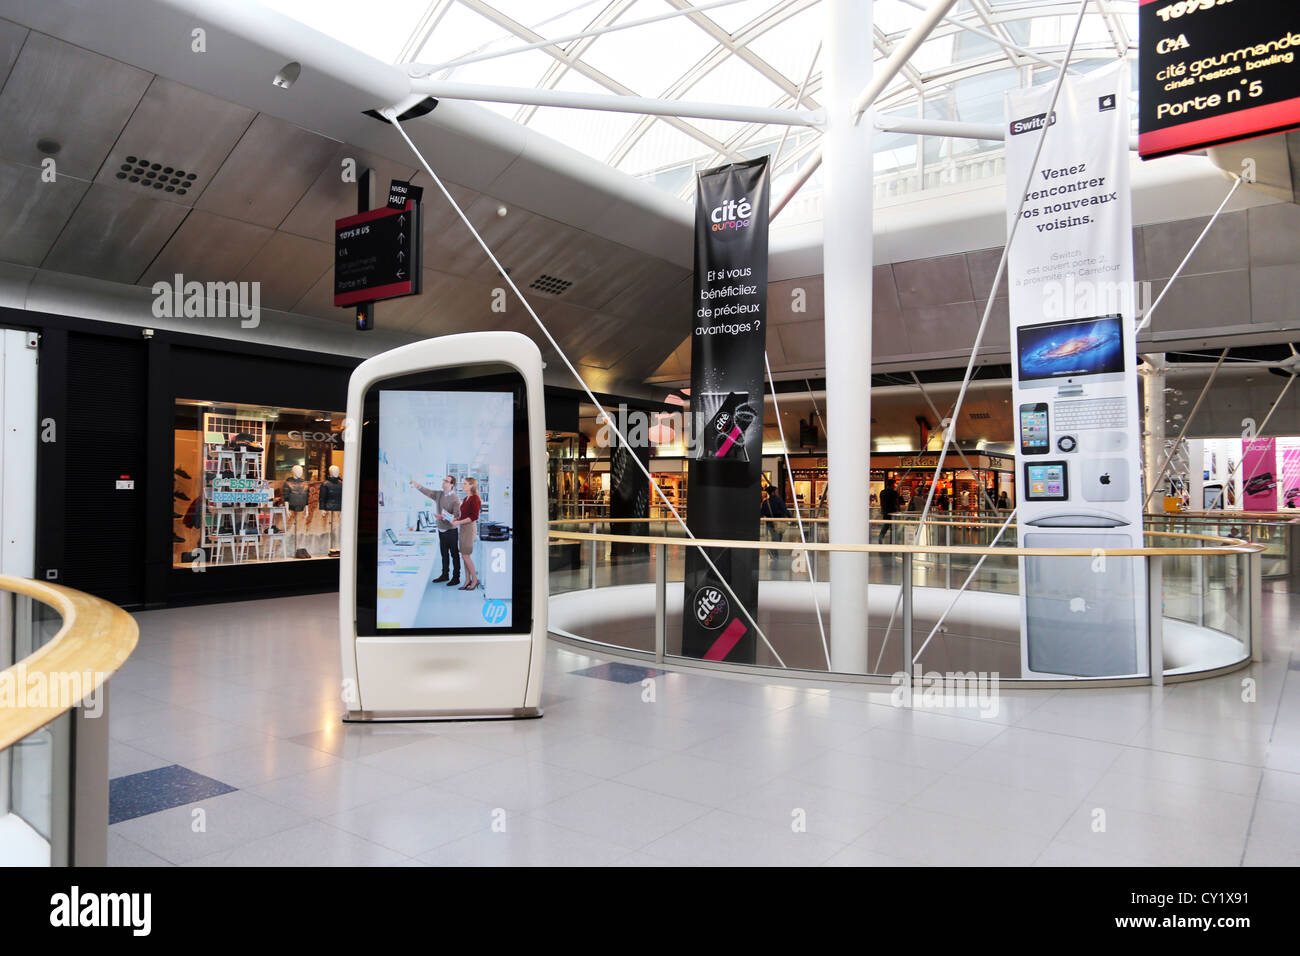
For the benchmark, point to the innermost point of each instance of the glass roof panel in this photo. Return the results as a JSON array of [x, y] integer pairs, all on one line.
[[674, 46], [961, 72], [462, 32], [790, 47]]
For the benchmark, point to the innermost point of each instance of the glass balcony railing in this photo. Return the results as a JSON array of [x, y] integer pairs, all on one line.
[[58, 647]]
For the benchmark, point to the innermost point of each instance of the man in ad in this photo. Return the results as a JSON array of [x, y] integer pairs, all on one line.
[[448, 504]]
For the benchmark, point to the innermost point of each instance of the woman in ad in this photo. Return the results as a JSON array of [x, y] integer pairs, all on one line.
[[470, 506]]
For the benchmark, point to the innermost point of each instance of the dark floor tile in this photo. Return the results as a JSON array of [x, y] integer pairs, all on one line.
[[138, 794]]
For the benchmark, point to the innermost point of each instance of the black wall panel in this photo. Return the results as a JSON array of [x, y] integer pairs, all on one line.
[[103, 441]]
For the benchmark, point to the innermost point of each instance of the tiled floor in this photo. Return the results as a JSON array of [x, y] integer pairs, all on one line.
[[242, 701]]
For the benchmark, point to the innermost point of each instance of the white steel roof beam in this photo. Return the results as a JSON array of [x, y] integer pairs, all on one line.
[[565, 99]]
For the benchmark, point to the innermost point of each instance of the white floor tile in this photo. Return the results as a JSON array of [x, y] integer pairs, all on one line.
[[620, 814], [310, 844], [726, 839]]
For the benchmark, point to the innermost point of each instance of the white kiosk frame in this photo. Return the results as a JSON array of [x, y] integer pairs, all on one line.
[[408, 676]]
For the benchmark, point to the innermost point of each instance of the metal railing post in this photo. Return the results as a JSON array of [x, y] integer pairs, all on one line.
[[1205, 580], [661, 601], [907, 621], [592, 561], [1255, 563], [947, 574], [1155, 619]]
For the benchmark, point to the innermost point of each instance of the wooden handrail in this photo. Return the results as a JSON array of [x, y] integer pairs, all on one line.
[[95, 639]]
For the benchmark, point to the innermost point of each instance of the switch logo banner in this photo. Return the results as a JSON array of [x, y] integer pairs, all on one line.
[[1074, 378]]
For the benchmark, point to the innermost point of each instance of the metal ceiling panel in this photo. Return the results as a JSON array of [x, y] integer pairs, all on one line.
[[677, 365], [1274, 292], [268, 171], [329, 197], [208, 248], [287, 267], [1212, 301], [616, 267], [659, 293], [318, 301], [605, 341], [79, 99], [997, 334], [983, 266], [924, 282], [804, 343], [114, 234], [448, 304], [888, 334], [12, 37], [940, 328], [449, 245], [884, 292], [178, 127], [783, 296], [1225, 247], [1274, 235], [32, 212]]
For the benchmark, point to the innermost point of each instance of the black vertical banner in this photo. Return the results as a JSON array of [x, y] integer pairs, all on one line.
[[629, 491], [726, 453]]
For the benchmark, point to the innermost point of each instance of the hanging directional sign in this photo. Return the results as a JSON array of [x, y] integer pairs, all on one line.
[[400, 192], [1215, 71], [377, 255]]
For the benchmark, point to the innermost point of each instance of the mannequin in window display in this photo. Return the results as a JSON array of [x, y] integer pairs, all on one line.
[[296, 493], [331, 503]]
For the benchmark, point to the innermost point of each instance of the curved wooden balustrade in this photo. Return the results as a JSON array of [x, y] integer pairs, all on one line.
[[94, 641]]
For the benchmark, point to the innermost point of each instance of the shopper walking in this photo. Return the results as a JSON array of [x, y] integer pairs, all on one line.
[[889, 506], [470, 507], [773, 506], [448, 505], [1004, 503]]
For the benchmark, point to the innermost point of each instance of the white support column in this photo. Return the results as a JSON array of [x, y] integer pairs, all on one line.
[[847, 201], [1153, 425]]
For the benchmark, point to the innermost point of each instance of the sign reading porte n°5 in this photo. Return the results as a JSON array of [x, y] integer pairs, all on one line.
[[377, 255]]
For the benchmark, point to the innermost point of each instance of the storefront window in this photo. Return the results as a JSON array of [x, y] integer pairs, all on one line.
[[255, 484]]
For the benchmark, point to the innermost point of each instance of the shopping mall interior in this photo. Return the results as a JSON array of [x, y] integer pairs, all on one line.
[[895, 574]]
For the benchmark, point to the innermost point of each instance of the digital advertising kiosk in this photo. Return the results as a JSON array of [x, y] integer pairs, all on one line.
[[442, 590]]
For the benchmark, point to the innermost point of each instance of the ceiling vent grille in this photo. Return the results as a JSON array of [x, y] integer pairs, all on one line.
[[551, 285], [166, 179]]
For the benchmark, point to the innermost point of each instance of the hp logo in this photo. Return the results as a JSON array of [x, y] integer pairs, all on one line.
[[494, 612]]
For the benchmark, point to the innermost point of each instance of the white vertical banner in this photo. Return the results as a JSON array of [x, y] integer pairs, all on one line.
[[1075, 383]]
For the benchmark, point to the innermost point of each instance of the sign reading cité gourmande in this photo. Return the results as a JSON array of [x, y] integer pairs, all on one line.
[[1216, 71]]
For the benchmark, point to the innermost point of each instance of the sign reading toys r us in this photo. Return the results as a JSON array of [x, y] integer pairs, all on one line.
[[1216, 71], [729, 308]]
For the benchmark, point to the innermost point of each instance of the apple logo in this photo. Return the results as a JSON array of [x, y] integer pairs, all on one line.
[[1078, 605], [1105, 478]]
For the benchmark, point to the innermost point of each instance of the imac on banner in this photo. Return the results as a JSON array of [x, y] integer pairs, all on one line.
[[1074, 380], [442, 591]]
